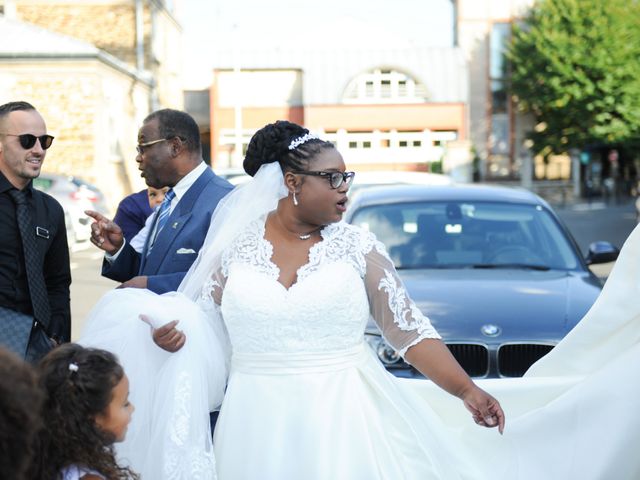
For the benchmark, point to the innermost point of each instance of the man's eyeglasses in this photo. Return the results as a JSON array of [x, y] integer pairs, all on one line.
[[141, 146], [336, 179], [27, 140]]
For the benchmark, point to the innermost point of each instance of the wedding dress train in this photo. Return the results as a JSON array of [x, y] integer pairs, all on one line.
[[307, 398]]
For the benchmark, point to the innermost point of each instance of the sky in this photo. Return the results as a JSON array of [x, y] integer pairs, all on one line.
[[215, 24]]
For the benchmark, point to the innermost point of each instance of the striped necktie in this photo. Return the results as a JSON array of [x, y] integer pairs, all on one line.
[[164, 212]]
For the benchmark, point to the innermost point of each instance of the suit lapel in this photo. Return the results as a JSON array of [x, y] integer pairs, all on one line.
[[162, 248], [177, 220]]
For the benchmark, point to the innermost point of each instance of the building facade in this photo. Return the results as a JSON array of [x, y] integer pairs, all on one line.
[[497, 131], [94, 69], [393, 108]]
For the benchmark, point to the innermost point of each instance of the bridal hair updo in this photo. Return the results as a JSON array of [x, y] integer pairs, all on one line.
[[284, 142]]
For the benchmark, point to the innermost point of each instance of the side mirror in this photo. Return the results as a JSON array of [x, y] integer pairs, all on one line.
[[601, 252]]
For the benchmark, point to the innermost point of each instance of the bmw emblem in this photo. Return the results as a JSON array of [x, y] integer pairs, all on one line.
[[490, 330]]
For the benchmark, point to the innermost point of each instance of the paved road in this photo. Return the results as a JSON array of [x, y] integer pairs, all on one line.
[[597, 221], [87, 285]]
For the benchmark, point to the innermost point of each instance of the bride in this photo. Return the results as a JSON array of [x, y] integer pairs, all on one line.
[[272, 314]]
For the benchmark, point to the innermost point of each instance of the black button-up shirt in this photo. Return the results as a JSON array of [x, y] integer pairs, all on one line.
[[54, 255]]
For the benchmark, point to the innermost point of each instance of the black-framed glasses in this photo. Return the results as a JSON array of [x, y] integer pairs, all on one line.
[[336, 179], [28, 140], [141, 146]]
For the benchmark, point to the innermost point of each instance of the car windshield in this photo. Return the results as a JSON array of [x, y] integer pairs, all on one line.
[[479, 235]]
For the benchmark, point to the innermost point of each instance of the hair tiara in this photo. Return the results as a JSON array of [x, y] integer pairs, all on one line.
[[296, 142]]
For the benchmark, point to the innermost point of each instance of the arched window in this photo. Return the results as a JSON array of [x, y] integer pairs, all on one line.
[[384, 86]]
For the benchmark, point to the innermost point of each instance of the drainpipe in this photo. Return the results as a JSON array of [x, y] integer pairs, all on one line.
[[454, 4], [139, 35]]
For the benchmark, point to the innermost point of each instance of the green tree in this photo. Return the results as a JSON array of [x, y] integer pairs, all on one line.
[[575, 65]]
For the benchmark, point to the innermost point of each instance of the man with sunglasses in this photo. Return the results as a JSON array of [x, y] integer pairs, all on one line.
[[34, 255], [169, 155]]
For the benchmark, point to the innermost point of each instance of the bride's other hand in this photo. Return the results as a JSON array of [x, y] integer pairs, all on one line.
[[485, 409], [434, 360], [167, 337]]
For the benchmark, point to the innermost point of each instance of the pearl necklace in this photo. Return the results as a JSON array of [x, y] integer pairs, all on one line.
[[307, 236]]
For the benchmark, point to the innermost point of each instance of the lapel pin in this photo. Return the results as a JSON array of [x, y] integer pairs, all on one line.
[[175, 225]]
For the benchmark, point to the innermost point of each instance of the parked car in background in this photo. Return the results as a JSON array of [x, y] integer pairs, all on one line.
[[75, 195], [494, 269], [376, 178], [235, 176]]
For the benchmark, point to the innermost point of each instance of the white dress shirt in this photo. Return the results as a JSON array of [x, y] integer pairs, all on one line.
[[180, 189]]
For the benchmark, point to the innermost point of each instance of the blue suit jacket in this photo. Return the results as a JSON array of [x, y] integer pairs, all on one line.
[[177, 245]]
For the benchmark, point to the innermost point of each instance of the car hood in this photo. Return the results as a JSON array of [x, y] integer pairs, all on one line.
[[532, 305]]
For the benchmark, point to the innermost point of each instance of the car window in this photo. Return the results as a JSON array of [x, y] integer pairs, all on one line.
[[469, 235]]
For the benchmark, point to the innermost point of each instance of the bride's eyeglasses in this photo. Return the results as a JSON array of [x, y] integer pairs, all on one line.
[[336, 179], [28, 140]]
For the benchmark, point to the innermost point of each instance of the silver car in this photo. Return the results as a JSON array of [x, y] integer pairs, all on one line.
[[75, 195]]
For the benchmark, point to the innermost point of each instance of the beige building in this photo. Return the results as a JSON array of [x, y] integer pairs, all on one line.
[[95, 69]]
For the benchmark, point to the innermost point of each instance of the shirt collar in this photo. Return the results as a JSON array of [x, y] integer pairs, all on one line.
[[6, 185], [189, 179]]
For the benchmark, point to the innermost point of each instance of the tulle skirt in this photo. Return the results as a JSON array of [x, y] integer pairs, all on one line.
[[169, 436]]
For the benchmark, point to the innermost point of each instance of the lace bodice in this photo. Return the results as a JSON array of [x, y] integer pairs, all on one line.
[[348, 278]]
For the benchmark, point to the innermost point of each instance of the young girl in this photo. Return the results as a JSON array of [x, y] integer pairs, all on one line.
[[86, 411]]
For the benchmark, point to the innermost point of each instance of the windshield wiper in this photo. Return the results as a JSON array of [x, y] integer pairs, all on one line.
[[518, 266], [427, 267]]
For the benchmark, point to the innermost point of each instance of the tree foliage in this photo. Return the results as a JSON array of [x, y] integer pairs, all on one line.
[[575, 65]]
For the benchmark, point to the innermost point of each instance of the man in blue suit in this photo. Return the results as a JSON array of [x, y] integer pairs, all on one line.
[[169, 154]]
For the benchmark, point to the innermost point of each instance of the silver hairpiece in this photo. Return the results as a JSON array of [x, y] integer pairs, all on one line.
[[73, 367], [296, 142]]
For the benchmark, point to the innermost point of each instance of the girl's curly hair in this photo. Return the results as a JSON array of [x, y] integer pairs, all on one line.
[[20, 402], [74, 396]]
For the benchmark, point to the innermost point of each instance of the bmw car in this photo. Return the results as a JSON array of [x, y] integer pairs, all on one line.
[[494, 269]]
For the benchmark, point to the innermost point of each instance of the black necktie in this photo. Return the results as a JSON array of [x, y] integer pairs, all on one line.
[[35, 277]]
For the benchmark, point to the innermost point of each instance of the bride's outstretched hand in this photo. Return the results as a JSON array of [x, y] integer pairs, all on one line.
[[485, 409], [167, 337]]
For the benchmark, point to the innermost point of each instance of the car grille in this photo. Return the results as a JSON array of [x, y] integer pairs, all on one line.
[[473, 358], [515, 359]]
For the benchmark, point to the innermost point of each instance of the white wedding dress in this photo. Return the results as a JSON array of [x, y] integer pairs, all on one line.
[[306, 398]]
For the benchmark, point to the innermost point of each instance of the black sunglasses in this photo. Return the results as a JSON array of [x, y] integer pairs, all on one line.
[[27, 140], [336, 179]]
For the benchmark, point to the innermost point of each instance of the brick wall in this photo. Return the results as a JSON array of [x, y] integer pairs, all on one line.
[[68, 104], [109, 27]]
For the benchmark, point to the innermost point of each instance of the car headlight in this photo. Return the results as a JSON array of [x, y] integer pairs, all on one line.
[[386, 353]]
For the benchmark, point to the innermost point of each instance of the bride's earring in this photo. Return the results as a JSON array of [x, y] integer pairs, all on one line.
[[295, 200]]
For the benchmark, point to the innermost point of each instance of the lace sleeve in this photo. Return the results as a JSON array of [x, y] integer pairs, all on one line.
[[212, 289], [401, 322]]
